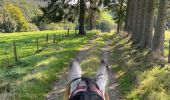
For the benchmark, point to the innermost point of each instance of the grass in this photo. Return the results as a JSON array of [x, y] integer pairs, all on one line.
[[167, 38], [33, 77], [139, 77], [91, 61]]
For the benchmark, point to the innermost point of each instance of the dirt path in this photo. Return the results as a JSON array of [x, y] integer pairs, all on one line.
[[59, 85], [90, 56], [113, 92]]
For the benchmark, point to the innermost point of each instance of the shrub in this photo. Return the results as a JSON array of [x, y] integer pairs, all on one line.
[[8, 25], [57, 26], [105, 25], [17, 15], [32, 27]]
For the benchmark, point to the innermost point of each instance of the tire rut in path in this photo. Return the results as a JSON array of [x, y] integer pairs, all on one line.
[[112, 91]]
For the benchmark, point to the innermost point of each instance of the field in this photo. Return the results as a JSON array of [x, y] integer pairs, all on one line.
[[33, 75]]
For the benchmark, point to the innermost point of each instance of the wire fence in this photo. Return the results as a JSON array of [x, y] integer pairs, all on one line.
[[11, 52]]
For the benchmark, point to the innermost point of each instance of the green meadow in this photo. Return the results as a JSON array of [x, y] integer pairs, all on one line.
[[32, 77]]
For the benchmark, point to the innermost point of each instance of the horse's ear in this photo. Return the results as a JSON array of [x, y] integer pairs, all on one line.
[[74, 70], [102, 75]]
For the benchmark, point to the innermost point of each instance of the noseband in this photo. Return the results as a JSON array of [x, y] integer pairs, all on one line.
[[91, 85]]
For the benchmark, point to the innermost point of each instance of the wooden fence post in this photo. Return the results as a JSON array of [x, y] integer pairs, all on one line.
[[37, 43], [47, 39], [68, 33], [169, 52], [54, 38], [15, 52]]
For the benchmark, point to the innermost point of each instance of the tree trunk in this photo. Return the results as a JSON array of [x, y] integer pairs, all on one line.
[[141, 21], [134, 19], [160, 27], [119, 23], [118, 26], [130, 15], [82, 18], [127, 16], [92, 19], [148, 29]]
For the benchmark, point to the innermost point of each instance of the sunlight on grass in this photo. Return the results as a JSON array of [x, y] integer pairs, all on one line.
[[33, 77], [167, 38], [139, 78]]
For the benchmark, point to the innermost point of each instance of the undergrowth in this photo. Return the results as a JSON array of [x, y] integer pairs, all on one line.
[[139, 77]]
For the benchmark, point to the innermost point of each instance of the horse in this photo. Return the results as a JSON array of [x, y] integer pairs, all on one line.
[[84, 88]]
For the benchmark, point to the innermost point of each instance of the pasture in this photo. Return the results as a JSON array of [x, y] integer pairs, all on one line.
[[36, 70]]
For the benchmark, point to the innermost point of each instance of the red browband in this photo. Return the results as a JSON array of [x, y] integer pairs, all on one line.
[[84, 88]]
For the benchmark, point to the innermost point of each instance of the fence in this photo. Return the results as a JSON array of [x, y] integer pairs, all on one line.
[[16, 50]]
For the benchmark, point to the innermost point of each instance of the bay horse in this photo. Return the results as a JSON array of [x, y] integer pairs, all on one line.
[[84, 88]]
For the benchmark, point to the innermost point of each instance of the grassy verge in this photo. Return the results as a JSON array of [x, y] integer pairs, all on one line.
[[167, 38], [33, 78], [139, 77]]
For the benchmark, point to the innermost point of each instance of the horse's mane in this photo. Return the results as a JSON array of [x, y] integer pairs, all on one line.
[[67, 93]]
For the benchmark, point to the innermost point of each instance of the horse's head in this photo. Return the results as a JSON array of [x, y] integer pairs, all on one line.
[[80, 86]]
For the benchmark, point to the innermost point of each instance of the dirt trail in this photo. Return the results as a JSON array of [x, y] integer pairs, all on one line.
[[57, 92], [112, 91], [59, 85]]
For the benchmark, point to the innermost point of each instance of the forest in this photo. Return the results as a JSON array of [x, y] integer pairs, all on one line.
[[39, 39]]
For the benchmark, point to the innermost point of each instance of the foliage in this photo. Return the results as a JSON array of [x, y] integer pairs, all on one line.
[[30, 8], [105, 26], [8, 25], [58, 10], [119, 11], [57, 26], [105, 22], [20, 15], [17, 14]]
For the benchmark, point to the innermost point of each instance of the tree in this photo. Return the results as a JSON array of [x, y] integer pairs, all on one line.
[[127, 16], [94, 12], [158, 37], [148, 29], [141, 20], [82, 18], [119, 10], [59, 10], [17, 15]]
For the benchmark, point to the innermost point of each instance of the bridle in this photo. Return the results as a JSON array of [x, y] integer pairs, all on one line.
[[88, 81]]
